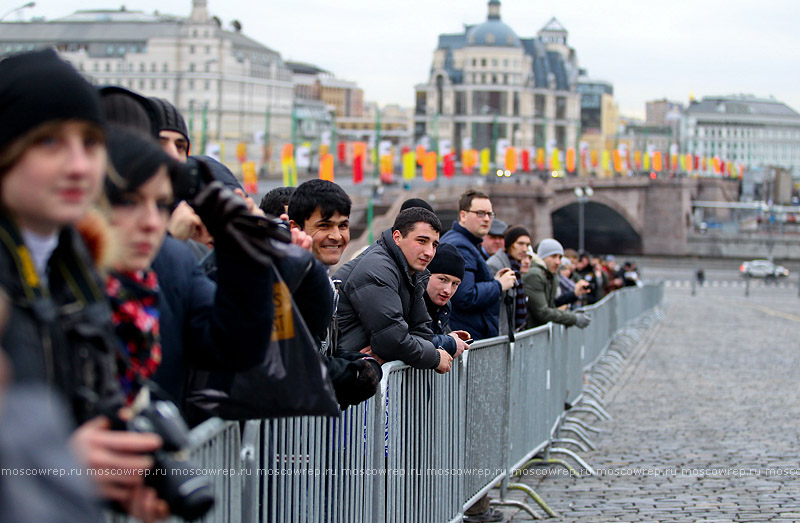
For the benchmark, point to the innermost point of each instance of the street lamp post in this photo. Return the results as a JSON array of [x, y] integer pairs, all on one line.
[[20, 8], [583, 194]]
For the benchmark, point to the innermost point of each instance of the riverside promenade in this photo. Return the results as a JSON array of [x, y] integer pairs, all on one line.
[[706, 419]]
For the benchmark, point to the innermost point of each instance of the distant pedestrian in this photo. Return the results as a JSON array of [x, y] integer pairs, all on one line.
[[701, 276]]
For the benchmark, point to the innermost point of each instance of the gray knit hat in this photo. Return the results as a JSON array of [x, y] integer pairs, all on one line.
[[549, 246]]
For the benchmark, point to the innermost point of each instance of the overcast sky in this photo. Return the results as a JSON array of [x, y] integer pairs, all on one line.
[[648, 50]]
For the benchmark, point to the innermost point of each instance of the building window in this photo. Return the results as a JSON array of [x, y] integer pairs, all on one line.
[[461, 103], [96, 67], [208, 85], [191, 68], [208, 49], [474, 62], [141, 84], [561, 107], [164, 67], [108, 67], [494, 62], [505, 62], [164, 85], [539, 105], [191, 49], [141, 68], [152, 84], [191, 85], [483, 62]]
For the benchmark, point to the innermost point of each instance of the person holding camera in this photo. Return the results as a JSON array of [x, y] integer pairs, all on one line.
[[52, 162], [541, 284]]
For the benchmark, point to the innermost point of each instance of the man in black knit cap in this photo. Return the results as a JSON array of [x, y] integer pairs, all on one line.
[[447, 271], [172, 131]]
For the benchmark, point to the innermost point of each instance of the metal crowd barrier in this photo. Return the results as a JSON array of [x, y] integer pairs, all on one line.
[[426, 446]]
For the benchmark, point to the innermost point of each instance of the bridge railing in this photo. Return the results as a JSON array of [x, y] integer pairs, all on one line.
[[426, 446]]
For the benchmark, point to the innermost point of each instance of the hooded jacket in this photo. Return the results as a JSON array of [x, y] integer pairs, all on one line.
[[540, 288], [381, 305], [476, 303]]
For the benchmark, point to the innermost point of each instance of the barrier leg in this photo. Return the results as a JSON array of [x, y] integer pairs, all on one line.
[[581, 435], [534, 496], [569, 441], [581, 462], [593, 394], [592, 405], [588, 410], [582, 424]]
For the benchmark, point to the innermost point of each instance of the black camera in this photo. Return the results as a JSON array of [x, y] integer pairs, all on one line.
[[174, 476], [190, 178]]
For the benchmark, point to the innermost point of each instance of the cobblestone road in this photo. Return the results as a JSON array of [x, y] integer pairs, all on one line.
[[706, 419]]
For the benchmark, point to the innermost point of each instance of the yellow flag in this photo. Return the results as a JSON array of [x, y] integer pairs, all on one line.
[[646, 161], [555, 163], [409, 166], [606, 160], [485, 158]]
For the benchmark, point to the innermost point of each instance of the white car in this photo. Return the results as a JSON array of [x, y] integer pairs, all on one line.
[[763, 269]]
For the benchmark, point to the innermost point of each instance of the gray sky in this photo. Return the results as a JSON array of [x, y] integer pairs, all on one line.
[[648, 50]]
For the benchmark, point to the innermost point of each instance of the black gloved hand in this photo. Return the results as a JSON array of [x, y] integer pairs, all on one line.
[[227, 219], [362, 380]]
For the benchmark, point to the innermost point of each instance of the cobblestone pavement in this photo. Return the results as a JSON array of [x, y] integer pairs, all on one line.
[[706, 419]]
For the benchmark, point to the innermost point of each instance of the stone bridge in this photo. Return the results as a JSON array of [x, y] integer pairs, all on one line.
[[634, 215]]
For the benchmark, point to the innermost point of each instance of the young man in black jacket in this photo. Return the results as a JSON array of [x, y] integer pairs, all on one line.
[[447, 271], [381, 302]]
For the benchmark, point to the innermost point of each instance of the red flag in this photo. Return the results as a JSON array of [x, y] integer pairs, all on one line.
[[341, 150], [358, 169], [526, 160], [449, 165]]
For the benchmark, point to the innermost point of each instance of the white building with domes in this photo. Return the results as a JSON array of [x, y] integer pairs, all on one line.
[[488, 83]]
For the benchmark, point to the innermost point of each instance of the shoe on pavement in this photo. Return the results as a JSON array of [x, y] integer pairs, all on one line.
[[490, 516]]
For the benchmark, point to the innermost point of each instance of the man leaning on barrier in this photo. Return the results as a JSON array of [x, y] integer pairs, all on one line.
[[381, 303], [541, 284]]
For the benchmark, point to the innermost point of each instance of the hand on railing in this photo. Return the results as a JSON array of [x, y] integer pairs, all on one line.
[[584, 319], [368, 351], [445, 362]]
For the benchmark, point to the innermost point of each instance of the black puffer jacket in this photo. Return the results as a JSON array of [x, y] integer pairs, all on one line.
[[65, 338], [381, 306]]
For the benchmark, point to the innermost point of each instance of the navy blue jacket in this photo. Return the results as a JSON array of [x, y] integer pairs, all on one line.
[[476, 303], [226, 326]]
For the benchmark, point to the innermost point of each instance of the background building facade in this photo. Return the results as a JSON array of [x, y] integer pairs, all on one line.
[[488, 84], [751, 131], [229, 87]]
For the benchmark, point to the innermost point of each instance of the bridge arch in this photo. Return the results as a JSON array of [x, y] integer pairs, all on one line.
[[609, 227]]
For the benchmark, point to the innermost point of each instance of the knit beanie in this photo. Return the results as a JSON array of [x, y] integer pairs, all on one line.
[[513, 234], [447, 261], [416, 202], [129, 109], [221, 173], [38, 87], [168, 118], [549, 246], [135, 158]]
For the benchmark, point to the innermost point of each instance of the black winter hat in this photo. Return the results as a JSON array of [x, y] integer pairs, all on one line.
[[513, 234], [38, 87], [221, 173], [447, 261], [168, 118], [135, 158], [129, 109], [416, 202]]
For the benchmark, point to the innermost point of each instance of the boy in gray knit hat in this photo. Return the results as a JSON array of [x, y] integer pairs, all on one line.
[[541, 283]]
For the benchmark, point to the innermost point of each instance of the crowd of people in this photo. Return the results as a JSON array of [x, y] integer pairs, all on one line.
[[130, 265]]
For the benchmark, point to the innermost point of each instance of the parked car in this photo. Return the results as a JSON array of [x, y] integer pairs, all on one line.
[[763, 269]]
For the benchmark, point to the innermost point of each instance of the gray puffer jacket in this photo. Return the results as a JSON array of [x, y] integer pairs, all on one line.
[[381, 305]]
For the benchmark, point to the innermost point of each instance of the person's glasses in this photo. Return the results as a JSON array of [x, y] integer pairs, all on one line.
[[483, 214]]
